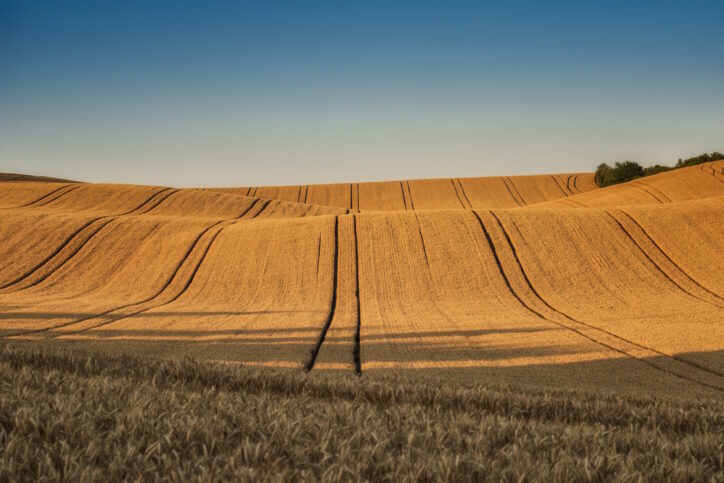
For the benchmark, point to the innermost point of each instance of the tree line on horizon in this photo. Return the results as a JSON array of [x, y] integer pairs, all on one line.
[[623, 171]]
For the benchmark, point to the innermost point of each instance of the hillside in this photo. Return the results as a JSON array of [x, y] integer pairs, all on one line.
[[539, 280]]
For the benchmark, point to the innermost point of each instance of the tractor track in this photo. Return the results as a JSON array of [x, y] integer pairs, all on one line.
[[221, 225], [457, 194], [166, 284], [462, 189], [309, 365], [666, 255], [558, 185], [505, 182], [73, 237], [89, 230], [409, 192], [515, 188], [651, 194], [32, 204], [642, 250], [356, 350], [584, 324]]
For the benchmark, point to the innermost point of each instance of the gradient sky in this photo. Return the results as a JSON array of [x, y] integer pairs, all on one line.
[[192, 93]]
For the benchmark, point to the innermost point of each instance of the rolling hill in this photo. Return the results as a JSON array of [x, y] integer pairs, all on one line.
[[539, 280]]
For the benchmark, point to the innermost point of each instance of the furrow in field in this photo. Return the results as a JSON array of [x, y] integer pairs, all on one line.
[[409, 195], [664, 260], [356, 354], [70, 247], [575, 184], [713, 173], [57, 197], [646, 188], [187, 260], [505, 181], [530, 297], [339, 338], [650, 190], [404, 197], [462, 205], [465, 195], [309, 365], [170, 294], [512, 184], [560, 185], [660, 193], [649, 253], [45, 197]]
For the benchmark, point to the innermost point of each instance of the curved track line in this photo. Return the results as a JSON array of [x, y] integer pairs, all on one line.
[[67, 241], [503, 179], [409, 192], [666, 199], [566, 202], [62, 195], [457, 194], [555, 181], [156, 202], [640, 187], [185, 287], [517, 191], [713, 173], [568, 183], [143, 301], [664, 195], [575, 185], [33, 203], [653, 262], [564, 184], [577, 203], [661, 250], [309, 365], [422, 240], [404, 198], [460, 183], [173, 276], [30, 203], [590, 326], [356, 356], [73, 237], [603, 344]]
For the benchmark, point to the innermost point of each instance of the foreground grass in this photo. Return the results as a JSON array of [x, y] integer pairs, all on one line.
[[71, 416]]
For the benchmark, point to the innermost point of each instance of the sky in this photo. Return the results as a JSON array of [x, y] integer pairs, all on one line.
[[203, 93]]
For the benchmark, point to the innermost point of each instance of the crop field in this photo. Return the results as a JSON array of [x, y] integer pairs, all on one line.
[[538, 283]]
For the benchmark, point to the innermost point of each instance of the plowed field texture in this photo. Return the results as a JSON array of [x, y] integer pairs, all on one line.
[[515, 328]]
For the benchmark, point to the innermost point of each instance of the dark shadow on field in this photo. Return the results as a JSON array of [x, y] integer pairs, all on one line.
[[611, 376], [485, 354], [82, 315]]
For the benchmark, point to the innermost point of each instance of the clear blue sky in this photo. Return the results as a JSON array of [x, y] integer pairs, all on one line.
[[234, 93]]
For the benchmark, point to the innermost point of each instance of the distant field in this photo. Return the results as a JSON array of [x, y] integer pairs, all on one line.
[[544, 281]]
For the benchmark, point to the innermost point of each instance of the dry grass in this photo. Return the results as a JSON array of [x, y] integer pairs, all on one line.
[[82, 417]]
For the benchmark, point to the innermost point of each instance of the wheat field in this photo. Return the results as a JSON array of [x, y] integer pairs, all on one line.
[[502, 329], [540, 280]]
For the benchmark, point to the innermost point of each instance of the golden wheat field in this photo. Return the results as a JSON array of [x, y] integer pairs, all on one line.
[[537, 280]]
